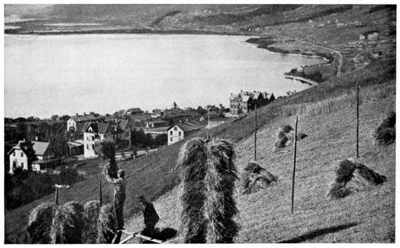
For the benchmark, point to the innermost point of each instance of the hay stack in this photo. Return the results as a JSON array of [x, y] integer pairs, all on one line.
[[255, 178], [68, 224], [346, 171], [192, 160], [220, 207], [91, 211], [106, 224], [385, 134], [283, 136], [40, 220]]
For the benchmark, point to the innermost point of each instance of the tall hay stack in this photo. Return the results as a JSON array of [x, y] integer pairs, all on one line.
[[68, 224], [220, 207], [39, 223], [91, 211], [106, 224], [193, 162]]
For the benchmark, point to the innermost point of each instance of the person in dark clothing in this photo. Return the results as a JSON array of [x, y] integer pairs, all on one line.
[[150, 217]]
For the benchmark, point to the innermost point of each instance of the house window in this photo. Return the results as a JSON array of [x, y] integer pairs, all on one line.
[[22, 154], [175, 128], [13, 153], [179, 133], [87, 147], [170, 139], [22, 164], [170, 132]]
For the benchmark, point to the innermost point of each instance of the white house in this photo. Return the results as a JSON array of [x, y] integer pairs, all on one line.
[[94, 133], [175, 134], [18, 156], [71, 123]]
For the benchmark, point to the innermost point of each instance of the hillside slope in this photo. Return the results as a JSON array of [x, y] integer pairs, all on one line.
[[364, 216]]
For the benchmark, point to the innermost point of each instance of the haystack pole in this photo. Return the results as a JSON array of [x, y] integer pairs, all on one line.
[[255, 132], [357, 118], [294, 161]]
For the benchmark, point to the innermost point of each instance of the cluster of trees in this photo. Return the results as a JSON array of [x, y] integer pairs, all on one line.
[[140, 140], [260, 101], [26, 186]]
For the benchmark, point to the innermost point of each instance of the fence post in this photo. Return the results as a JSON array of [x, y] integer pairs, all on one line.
[[357, 119], [294, 162], [255, 132]]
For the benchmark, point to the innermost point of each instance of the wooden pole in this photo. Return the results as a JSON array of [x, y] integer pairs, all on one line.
[[56, 196], [357, 119], [294, 162], [255, 132], [100, 193]]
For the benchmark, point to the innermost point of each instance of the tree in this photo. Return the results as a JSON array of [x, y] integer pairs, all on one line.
[[54, 117], [272, 97], [175, 105], [65, 117]]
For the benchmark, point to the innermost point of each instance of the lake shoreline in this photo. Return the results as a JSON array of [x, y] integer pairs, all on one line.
[[309, 73]]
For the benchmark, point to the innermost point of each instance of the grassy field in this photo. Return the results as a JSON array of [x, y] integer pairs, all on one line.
[[364, 216]]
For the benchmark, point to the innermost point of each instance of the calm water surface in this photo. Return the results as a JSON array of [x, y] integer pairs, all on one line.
[[67, 74]]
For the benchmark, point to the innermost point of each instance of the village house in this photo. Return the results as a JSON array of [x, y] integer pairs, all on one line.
[[18, 155], [242, 102], [72, 123], [94, 133], [178, 132]]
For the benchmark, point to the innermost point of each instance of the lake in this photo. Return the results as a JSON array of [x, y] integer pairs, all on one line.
[[68, 74]]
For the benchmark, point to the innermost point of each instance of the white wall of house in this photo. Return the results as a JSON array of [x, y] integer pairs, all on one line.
[[18, 158], [71, 123], [89, 140], [88, 145], [175, 134]]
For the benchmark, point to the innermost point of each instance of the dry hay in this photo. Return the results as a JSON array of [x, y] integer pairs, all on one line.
[[106, 224], [285, 136], [192, 160], [349, 171], [286, 129], [281, 142], [255, 178], [91, 211], [385, 134], [68, 224], [40, 220], [220, 207]]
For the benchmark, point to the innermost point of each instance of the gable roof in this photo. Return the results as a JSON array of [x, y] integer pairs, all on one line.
[[189, 126], [40, 147]]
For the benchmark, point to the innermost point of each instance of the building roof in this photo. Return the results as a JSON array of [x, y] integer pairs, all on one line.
[[74, 144], [189, 126], [156, 130], [83, 118], [40, 147]]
